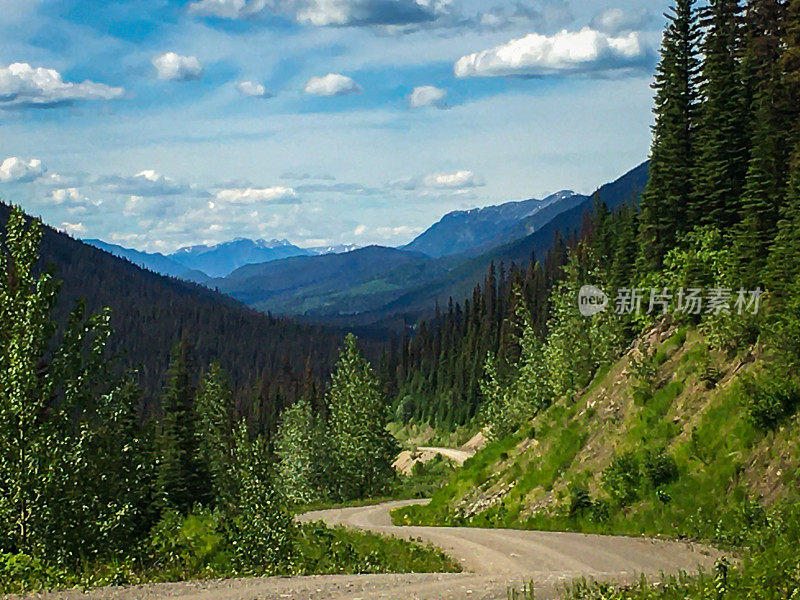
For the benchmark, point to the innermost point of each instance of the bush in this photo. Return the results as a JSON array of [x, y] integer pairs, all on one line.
[[20, 573], [193, 546], [622, 478], [770, 400], [659, 468], [580, 501]]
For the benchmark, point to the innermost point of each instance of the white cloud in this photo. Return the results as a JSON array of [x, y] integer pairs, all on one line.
[[23, 85], [73, 228], [145, 183], [14, 169], [616, 20], [427, 95], [452, 181], [252, 89], [70, 196], [583, 51], [360, 230], [332, 84], [170, 65], [393, 232], [278, 194]]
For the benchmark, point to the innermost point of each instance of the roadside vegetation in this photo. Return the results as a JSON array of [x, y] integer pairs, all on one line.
[[681, 423], [93, 492]]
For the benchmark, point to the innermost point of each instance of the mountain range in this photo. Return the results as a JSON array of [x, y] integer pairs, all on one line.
[[203, 262], [386, 287]]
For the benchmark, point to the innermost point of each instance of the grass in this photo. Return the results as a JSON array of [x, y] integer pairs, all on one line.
[[318, 549]]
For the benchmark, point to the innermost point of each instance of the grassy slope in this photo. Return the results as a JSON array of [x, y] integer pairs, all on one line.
[[526, 481]]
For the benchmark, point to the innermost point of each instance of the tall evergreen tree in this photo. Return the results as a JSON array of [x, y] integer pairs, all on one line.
[[182, 481], [216, 423], [721, 142], [767, 170], [784, 259], [672, 158], [363, 449]]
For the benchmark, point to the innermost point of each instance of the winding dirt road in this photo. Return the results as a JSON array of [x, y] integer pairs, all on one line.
[[457, 456], [492, 559]]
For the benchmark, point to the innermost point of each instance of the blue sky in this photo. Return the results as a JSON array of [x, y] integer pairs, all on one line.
[[156, 124]]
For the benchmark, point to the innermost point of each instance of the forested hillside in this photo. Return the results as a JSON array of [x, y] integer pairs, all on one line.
[[657, 391], [271, 361]]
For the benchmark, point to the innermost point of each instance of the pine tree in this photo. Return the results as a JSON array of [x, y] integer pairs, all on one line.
[[666, 199], [216, 424], [784, 259], [721, 144], [362, 447], [181, 480], [767, 170]]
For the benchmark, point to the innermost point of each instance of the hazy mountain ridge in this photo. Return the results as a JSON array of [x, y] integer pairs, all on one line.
[[388, 287], [464, 231], [152, 261]]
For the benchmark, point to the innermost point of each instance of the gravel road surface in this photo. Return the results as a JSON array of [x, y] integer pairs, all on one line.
[[492, 559]]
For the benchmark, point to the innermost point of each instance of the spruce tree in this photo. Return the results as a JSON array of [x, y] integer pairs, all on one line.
[[216, 424], [721, 144], [784, 259], [181, 481], [668, 193], [767, 171], [362, 447]]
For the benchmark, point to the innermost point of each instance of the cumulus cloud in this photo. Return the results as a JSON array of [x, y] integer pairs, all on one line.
[[276, 195], [400, 230], [14, 169], [360, 230], [252, 89], [71, 196], [75, 229], [616, 20], [566, 52], [452, 181], [332, 84], [146, 183], [443, 181], [427, 95], [22, 85], [172, 66]]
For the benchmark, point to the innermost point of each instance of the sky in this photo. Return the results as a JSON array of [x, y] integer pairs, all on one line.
[[156, 124]]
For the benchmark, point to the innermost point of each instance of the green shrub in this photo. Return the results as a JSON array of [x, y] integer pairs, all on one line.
[[659, 468], [20, 573], [580, 501], [770, 400], [622, 478], [194, 545]]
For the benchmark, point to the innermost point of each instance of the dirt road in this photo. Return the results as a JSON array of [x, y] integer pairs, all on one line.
[[458, 456], [492, 559]]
